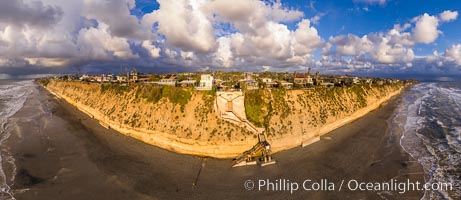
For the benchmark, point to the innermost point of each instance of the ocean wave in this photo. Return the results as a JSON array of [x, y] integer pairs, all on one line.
[[429, 118], [14, 95]]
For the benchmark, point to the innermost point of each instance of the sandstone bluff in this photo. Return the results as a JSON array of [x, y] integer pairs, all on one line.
[[191, 122]]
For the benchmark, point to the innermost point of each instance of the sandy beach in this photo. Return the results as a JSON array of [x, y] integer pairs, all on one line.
[[61, 153]]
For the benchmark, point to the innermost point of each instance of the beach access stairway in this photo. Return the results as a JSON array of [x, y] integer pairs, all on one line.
[[230, 106]]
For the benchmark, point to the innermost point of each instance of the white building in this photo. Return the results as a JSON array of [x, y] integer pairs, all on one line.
[[356, 80], [170, 80], [266, 80], [206, 82], [84, 77]]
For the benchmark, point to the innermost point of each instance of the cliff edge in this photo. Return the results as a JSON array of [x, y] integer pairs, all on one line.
[[187, 121]]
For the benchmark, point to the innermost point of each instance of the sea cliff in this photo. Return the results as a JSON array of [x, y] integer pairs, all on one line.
[[186, 121]]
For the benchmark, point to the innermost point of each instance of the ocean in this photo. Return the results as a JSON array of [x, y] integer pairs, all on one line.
[[13, 95], [430, 119]]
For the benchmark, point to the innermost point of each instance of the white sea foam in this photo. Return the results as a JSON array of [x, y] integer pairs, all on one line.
[[13, 96], [434, 104]]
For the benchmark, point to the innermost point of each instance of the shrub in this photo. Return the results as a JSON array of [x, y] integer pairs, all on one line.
[[116, 88], [255, 107]]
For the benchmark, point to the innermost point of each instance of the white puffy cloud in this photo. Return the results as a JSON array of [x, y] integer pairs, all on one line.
[[184, 24], [154, 51], [98, 43], [276, 41], [350, 45], [204, 34], [50, 33], [425, 30], [281, 14], [448, 15], [307, 38], [449, 58], [224, 53], [385, 53], [453, 54], [261, 35], [394, 47], [99, 30]]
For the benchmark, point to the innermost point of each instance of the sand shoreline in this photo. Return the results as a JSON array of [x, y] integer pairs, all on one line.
[[92, 162], [225, 150]]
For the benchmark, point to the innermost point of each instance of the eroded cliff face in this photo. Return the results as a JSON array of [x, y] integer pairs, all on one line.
[[185, 121], [297, 117], [176, 119]]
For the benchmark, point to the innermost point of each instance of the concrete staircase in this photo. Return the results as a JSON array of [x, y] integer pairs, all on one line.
[[230, 106]]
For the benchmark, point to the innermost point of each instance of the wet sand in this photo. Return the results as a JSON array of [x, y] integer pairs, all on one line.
[[63, 154]]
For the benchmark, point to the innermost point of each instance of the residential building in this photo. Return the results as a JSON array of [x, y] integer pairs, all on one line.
[[187, 83], [168, 80], [206, 82]]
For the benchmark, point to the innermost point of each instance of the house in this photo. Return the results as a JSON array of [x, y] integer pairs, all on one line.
[[133, 75], [141, 77], [378, 81], [329, 81], [206, 82], [100, 78], [285, 84], [269, 83], [84, 77], [355, 80], [368, 81], [249, 84], [168, 80], [187, 83], [109, 78], [121, 78], [266, 80], [303, 80]]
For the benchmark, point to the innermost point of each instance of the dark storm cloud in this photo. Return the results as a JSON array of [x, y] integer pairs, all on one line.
[[34, 14]]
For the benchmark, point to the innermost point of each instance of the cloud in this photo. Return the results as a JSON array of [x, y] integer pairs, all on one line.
[[448, 15], [453, 55], [261, 36], [97, 43], [154, 52], [281, 14], [350, 45], [184, 24], [315, 19], [116, 14], [223, 55], [425, 30], [19, 13], [206, 34], [391, 48]]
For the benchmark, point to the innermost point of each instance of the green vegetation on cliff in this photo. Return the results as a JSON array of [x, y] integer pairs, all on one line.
[[174, 94], [317, 106], [256, 107], [116, 88], [151, 93]]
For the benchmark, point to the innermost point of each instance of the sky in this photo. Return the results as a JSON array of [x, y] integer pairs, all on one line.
[[390, 38]]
